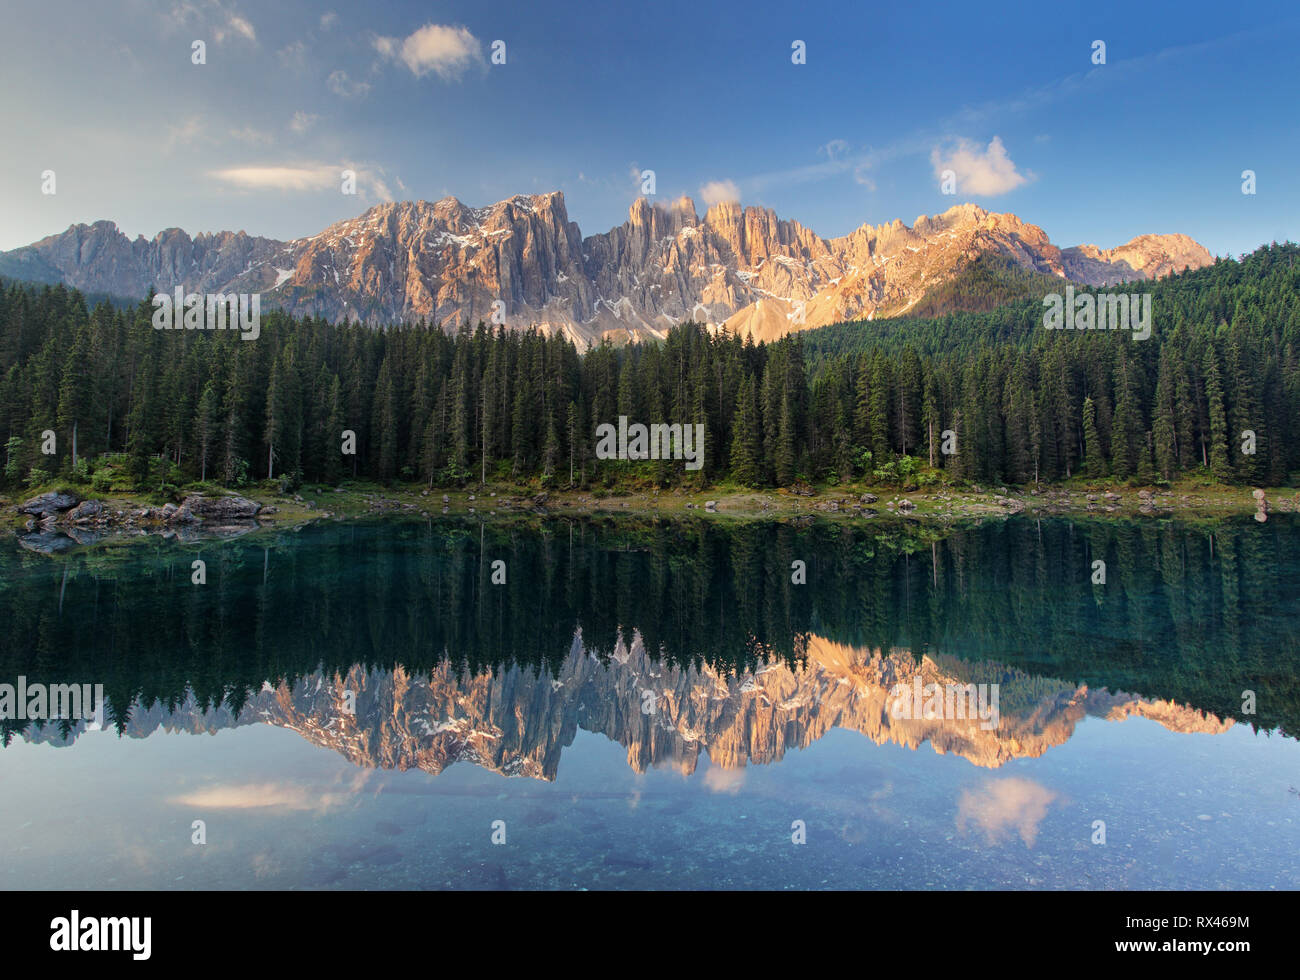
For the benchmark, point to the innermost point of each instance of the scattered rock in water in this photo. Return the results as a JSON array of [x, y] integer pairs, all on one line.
[[84, 536], [46, 542]]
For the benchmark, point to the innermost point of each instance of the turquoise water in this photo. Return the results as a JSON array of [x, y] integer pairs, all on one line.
[[659, 705]]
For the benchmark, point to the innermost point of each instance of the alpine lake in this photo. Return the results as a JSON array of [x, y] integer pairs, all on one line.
[[601, 703]]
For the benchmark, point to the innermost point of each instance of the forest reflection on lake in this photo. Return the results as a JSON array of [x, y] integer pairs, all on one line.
[[729, 692]]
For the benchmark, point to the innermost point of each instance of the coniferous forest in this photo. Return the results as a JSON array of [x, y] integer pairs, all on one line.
[[1219, 376]]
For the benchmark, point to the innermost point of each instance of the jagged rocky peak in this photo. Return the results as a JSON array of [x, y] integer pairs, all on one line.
[[517, 720], [445, 261]]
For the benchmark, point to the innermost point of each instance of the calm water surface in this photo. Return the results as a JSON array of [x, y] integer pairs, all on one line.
[[658, 705]]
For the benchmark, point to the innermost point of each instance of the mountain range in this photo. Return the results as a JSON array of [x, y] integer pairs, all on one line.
[[517, 721], [525, 261]]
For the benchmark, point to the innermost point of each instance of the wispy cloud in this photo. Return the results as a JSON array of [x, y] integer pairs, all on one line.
[[302, 121], [250, 134], [250, 796], [199, 131], [302, 177], [212, 16], [719, 780], [717, 191], [236, 25], [447, 52], [340, 83], [839, 158], [834, 149], [316, 177], [293, 55]]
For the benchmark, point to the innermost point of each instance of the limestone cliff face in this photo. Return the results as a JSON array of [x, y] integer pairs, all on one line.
[[99, 258], [518, 723], [524, 260], [1145, 257], [443, 262]]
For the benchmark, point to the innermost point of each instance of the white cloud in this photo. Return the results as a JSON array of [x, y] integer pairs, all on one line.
[[986, 173], [719, 780], [835, 149], [302, 121], [327, 20], [315, 177], [305, 177], [247, 134], [717, 191], [376, 184], [862, 175], [448, 52], [1002, 806], [213, 16], [195, 131], [340, 84], [293, 55], [184, 134], [237, 25], [271, 796]]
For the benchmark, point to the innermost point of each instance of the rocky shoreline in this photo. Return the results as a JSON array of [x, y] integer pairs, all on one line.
[[62, 519], [59, 520]]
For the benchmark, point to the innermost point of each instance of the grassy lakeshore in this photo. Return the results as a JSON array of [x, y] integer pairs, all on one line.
[[1184, 500]]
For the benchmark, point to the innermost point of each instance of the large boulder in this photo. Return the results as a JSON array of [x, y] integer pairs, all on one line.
[[87, 510], [48, 503], [231, 508]]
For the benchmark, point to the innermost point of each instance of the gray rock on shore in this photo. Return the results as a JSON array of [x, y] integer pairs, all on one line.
[[48, 503], [86, 511], [233, 507]]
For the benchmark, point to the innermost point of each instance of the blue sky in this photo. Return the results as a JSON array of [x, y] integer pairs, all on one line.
[[105, 94]]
